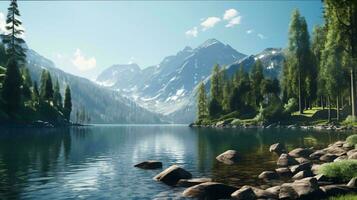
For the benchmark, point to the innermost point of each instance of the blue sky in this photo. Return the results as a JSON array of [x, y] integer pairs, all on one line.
[[85, 37]]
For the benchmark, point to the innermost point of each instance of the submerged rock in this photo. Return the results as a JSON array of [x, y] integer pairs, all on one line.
[[228, 157], [193, 181], [150, 164], [172, 175], [209, 190]]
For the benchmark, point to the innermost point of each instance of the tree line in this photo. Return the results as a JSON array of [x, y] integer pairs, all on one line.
[[317, 71], [19, 94]]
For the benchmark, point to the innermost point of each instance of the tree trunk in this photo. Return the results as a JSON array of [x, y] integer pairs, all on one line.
[[352, 95], [329, 109], [300, 100], [338, 108]]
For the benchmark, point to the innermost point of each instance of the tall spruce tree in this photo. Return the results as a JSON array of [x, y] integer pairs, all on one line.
[[256, 77], [215, 106], [46, 88], [12, 39], [11, 91], [67, 107], [35, 93], [57, 98], [202, 109]]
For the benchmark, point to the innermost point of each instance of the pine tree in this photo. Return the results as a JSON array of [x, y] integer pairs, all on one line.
[[12, 40], [214, 107], [202, 112], [256, 77], [67, 103], [57, 98], [27, 84], [46, 90], [226, 95], [11, 91], [35, 93]]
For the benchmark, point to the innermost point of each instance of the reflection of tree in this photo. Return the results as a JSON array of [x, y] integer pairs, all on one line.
[[253, 146], [23, 151]]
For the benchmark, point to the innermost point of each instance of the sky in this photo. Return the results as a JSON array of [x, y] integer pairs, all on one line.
[[86, 37]]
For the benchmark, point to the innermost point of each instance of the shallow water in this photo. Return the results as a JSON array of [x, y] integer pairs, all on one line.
[[97, 162]]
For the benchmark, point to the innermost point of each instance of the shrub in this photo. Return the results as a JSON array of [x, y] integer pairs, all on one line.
[[291, 106], [342, 170], [349, 120], [352, 139], [237, 122], [344, 197]]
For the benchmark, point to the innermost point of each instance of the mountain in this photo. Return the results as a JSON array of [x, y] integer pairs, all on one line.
[[168, 86], [103, 105], [272, 60]]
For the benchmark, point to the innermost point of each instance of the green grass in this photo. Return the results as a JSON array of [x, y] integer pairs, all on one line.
[[352, 139], [342, 170], [344, 197], [308, 113]]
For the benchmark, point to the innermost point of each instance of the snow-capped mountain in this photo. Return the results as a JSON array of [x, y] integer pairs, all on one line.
[[168, 85]]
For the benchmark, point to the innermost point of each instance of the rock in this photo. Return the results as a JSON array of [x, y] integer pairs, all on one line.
[[301, 167], [334, 190], [261, 194], [306, 188], [300, 152], [209, 190], [277, 148], [228, 157], [302, 174], [268, 175], [315, 168], [328, 157], [150, 164], [172, 175], [352, 183], [322, 178], [335, 150], [303, 160], [344, 157], [317, 154], [284, 172], [286, 160], [193, 181], [347, 146], [245, 193], [287, 192], [353, 156], [338, 143], [351, 152], [274, 190]]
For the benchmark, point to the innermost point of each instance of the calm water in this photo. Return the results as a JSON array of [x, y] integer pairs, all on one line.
[[97, 162]]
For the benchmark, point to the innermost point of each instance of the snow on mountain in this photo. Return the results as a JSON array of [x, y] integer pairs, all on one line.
[[168, 86]]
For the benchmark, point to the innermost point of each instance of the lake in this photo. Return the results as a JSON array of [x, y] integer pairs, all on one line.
[[97, 162]]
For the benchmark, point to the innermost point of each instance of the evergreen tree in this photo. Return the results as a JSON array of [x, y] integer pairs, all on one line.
[[216, 92], [46, 90], [202, 112], [67, 103], [226, 95], [35, 93], [11, 91], [12, 40], [256, 77], [57, 98], [27, 84]]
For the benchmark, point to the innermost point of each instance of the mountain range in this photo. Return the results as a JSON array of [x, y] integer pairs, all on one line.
[[169, 88]]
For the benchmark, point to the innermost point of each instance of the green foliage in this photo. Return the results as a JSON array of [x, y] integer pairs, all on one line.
[[57, 98], [352, 139], [11, 91], [271, 112], [214, 108], [202, 108], [291, 106], [343, 170], [46, 88], [67, 103], [256, 77], [345, 197], [12, 40]]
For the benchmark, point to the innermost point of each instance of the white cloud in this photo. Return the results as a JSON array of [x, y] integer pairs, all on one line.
[[82, 63], [192, 32], [210, 22], [132, 60], [230, 14], [234, 22], [261, 36], [249, 31]]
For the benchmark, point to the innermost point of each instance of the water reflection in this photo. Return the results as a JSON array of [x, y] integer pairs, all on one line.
[[97, 162]]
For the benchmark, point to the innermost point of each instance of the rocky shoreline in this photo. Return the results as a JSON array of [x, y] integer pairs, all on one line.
[[223, 124], [297, 176], [39, 124]]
